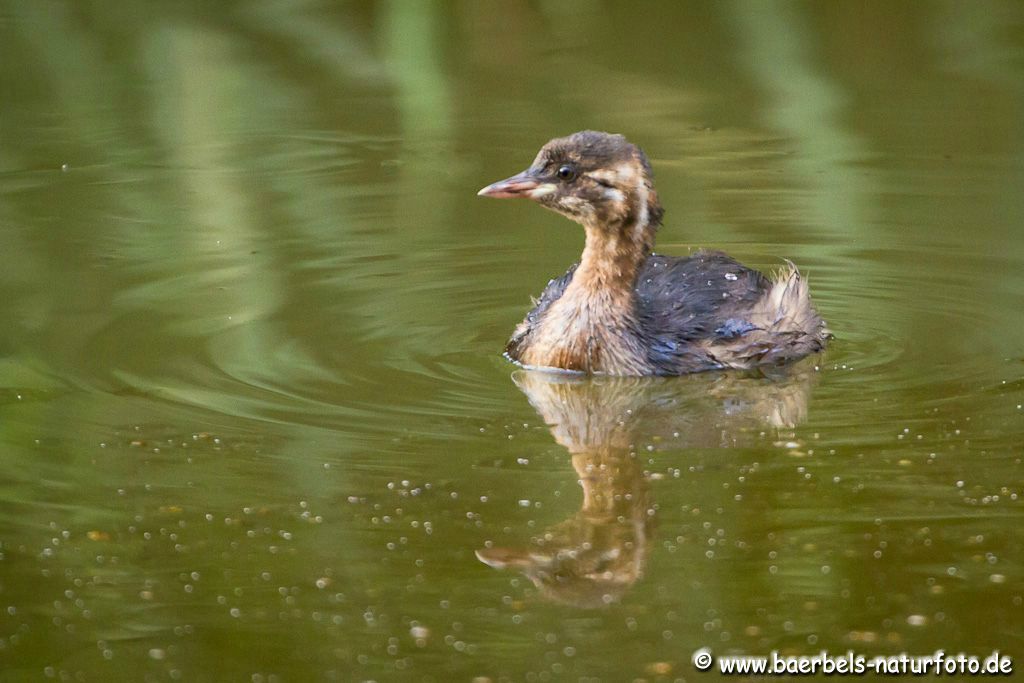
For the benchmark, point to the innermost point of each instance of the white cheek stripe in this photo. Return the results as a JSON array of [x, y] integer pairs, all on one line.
[[627, 174], [577, 205], [605, 176], [542, 191], [641, 221], [623, 174]]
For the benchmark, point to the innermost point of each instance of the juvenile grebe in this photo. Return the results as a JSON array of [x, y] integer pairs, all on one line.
[[623, 310]]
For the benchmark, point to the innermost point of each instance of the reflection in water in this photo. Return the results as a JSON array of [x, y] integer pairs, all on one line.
[[806, 106], [250, 337], [596, 555]]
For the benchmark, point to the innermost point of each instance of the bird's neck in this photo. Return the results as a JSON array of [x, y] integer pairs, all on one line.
[[593, 326], [612, 259]]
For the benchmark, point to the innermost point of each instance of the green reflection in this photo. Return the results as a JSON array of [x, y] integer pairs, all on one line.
[[252, 416], [595, 556]]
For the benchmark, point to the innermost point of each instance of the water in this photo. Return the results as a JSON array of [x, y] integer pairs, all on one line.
[[254, 421]]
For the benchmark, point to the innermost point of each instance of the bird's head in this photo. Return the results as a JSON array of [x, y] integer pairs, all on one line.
[[597, 179]]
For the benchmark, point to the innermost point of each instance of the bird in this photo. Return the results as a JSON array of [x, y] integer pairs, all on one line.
[[625, 310]]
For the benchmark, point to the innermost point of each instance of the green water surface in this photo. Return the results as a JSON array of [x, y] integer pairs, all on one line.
[[254, 422]]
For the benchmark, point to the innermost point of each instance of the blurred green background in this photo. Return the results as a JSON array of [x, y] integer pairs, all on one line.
[[254, 423]]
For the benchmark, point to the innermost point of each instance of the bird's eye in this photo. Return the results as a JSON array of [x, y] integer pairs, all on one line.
[[566, 172]]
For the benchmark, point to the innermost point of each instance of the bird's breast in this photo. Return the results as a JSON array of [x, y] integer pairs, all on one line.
[[585, 334]]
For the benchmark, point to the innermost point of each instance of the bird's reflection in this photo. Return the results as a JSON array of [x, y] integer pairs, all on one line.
[[596, 555]]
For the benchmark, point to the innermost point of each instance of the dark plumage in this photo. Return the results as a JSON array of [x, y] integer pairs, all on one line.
[[626, 311]]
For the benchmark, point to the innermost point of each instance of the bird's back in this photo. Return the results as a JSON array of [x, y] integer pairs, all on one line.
[[706, 312]]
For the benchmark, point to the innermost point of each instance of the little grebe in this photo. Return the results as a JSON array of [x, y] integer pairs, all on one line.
[[623, 310]]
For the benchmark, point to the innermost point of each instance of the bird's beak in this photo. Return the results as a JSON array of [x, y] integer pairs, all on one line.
[[520, 185]]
